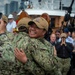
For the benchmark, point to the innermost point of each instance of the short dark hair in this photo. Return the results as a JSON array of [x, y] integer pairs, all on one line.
[[57, 31], [23, 29]]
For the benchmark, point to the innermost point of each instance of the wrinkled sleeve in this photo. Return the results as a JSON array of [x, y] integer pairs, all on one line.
[[43, 59], [8, 52]]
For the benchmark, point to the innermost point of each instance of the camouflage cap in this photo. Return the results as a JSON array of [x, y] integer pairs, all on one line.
[[23, 22], [40, 22], [4, 18], [63, 35]]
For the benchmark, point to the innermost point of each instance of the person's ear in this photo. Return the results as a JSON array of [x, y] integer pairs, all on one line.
[[5, 24], [44, 32]]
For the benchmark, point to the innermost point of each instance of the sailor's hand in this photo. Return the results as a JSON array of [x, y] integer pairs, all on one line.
[[20, 55]]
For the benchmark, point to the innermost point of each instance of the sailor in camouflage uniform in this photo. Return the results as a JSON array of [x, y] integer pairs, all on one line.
[[7, 58], [43, 51], [39, 52], [8, 64], [21, 41]]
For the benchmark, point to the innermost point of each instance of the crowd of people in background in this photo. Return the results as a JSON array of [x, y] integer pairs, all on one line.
[[28, 48]]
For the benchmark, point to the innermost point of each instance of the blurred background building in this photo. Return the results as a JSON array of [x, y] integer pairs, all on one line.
[[11, 7], [15, 6], [55, 8]]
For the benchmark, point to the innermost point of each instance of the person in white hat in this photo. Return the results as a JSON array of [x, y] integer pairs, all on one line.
[[11, 24]]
